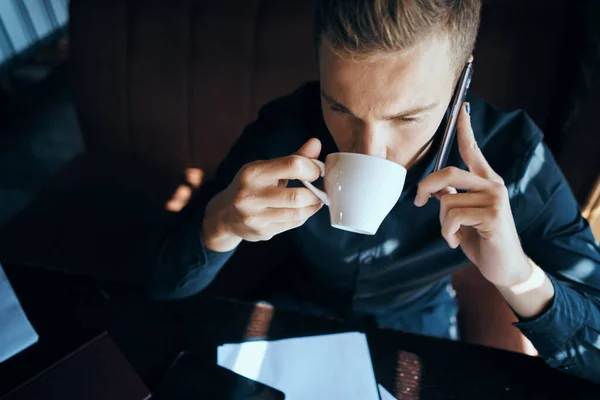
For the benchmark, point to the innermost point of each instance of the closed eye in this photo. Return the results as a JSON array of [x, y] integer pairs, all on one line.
[[409, 120], [338, 109]]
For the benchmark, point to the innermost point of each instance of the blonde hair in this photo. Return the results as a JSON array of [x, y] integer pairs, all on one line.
[[364, 28]]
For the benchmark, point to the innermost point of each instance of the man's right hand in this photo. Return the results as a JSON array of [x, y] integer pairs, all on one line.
[[258, 205]]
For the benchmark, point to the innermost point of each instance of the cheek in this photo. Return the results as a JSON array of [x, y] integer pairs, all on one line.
[[410, 140], [414, 135]]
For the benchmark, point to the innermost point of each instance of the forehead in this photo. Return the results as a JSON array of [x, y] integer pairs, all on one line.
[[422, 74]]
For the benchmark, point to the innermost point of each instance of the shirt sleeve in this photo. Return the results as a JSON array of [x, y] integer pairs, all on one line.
[[558, 239], [183, 266]]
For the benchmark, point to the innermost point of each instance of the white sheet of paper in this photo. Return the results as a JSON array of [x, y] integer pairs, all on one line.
[[16, 333], [385, 395], [334, 366]]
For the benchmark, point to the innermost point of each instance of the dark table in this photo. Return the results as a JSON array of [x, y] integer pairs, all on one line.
[[408, 365], [151, 334]]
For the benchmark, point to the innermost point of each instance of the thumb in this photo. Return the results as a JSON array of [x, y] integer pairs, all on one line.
[[310, 149]]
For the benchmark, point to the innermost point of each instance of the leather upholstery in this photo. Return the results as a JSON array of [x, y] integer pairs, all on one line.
[[195, 72]]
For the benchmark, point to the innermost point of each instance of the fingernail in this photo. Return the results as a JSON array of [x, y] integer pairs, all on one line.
[[468, 107], [417, 202]]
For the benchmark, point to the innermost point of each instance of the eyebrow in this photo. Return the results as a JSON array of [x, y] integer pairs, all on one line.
[[403, 114]]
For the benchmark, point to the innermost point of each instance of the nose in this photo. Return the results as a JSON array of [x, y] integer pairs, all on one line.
[[370, 139]]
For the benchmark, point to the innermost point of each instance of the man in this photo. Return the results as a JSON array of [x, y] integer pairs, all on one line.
[[388, 69]]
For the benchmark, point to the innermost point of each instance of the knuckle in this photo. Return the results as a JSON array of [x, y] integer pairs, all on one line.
[[453, 213], [238, 203], [249, 220], [452, 171], [499, 190], [445, 200], [248, 173], [295, 163], [241, 200], [497, 178], [294, 197], [451, 217]]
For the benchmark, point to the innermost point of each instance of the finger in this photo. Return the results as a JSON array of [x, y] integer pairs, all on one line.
[[287, 198], [280, 227], [459, 217], [265, 173], [445, 191], [310, 149], [468, 148], [276, 215], [450, 176], [463, 200], [257, 229]]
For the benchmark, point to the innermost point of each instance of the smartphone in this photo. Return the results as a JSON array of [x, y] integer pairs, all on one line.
[[194, 377], [455, 106]]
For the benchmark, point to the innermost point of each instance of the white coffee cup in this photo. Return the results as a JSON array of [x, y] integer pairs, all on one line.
[[360, 190]]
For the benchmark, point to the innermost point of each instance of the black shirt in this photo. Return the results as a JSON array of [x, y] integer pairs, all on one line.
[[407, 260]]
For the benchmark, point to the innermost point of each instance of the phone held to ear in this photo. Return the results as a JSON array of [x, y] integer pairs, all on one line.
[[455, 106]]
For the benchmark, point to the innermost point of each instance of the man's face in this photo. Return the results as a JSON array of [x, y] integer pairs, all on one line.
[[390, 106]]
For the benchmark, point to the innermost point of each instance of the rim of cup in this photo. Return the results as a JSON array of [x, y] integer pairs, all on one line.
[[359, 155]]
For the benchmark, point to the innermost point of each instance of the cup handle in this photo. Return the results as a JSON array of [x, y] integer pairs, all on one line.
[[318, 192]]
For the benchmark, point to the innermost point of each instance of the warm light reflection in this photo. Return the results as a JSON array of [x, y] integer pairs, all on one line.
[[194, 177], [180, 198], [183, 193], [259, 321], [408, 376]]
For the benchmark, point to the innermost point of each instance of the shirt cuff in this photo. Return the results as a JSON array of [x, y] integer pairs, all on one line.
[[557, 324], [209, 258], [201, 271]]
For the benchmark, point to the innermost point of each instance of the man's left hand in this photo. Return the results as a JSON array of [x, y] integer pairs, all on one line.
[[480, 220]]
